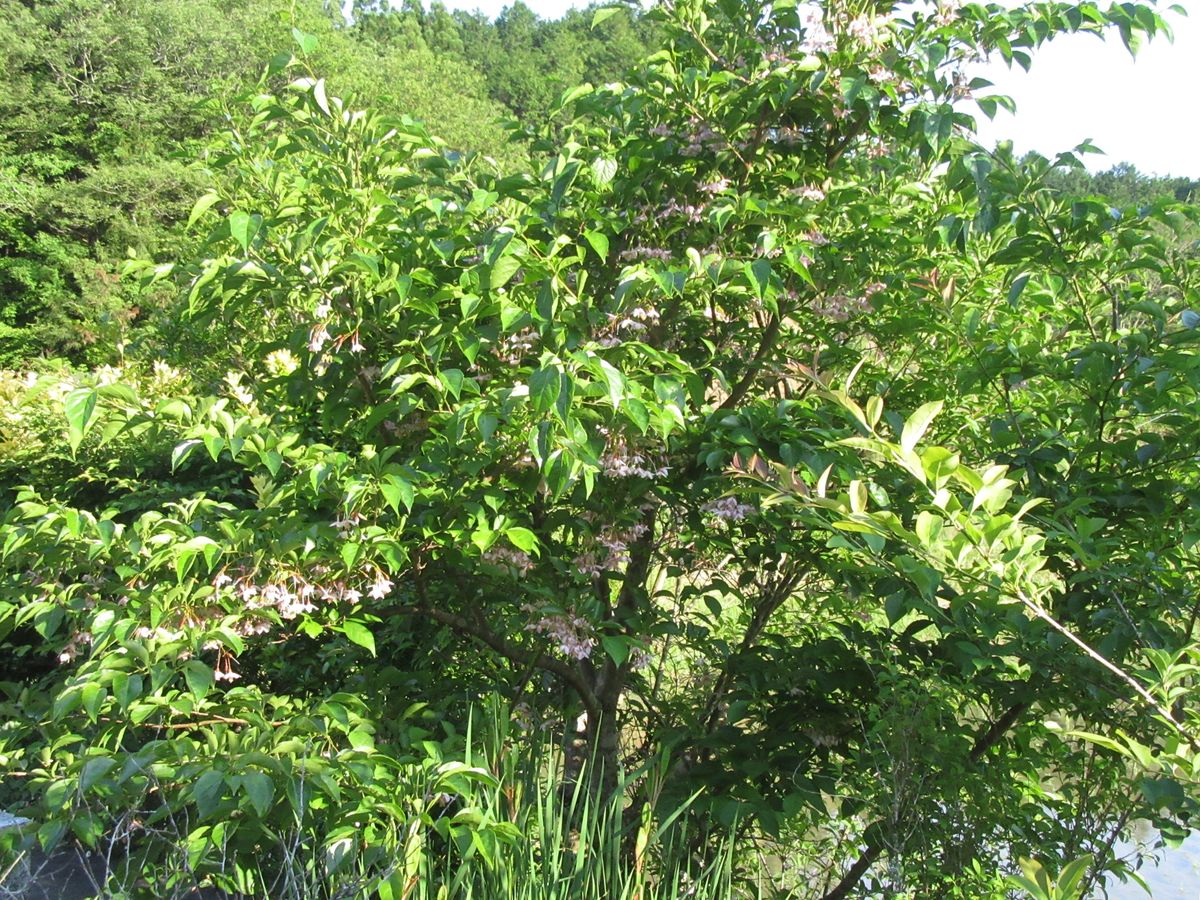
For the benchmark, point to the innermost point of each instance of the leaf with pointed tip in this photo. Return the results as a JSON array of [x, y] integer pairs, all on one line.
[[918, 423]]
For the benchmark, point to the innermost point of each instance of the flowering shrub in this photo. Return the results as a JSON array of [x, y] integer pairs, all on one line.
[[538, 428]]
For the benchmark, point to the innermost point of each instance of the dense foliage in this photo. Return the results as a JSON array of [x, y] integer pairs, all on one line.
[[107, 103], [807, 482]]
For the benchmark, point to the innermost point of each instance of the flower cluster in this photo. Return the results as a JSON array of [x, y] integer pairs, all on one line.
[[715, 187], [241, 393], [515, 347], [692, 212], [623, 463], [817, 38], [290, 595], [637, 319], [74, 647], [609, 550], [572, 633], [281, 362], [789, 135], [840, 307], [517, 562], [865, 30], [808, 192], [729, 508], [165, 635], [701, 139], [318, 338], [637, 253], [624, 326]]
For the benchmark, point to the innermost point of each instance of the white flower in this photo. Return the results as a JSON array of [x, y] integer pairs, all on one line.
[[323, 309], [807, 192], [380, 589], [729, 509], [318, 339]]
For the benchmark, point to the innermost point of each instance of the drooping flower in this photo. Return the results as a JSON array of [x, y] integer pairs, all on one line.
[[729, 508], [318, 338], [380, 589]]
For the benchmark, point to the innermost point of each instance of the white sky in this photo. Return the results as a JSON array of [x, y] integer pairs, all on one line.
[[1146, 113]]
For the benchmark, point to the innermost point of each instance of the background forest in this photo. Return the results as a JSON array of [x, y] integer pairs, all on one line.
[[650, 453]]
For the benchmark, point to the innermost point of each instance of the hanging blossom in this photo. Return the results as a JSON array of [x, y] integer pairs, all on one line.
[[808, 192], [702, 138], [625, 464], [346, 526], [729, 508], [318, 338], [840, 307], [869, 29], [608, 550], [572, 633], [515, 347], [947, 12], [692, 212], [817, 38], [637, 319], [639, 252], [288, 594], [517, 562], [224, 668], [381, 588], [74, 647]]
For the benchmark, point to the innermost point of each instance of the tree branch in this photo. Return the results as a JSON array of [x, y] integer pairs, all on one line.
[[770, 335], [875, 843], [511, 650]]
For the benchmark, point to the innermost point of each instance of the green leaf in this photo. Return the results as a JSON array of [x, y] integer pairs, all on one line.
[[396, 491], [604, 171], [543, 388], [199, 677], [598, 242], [604, 14], [79, 405], [759, 275], [207, 791], [918, 423], [307, 43], [243, 227], [1018, 286], [502, 270], [359, 634], [182, 452], [319, 96], [202, 206], [616, 647], [1071, 875], [95, 769], [521, 538], [259, 787], [615, 380]]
